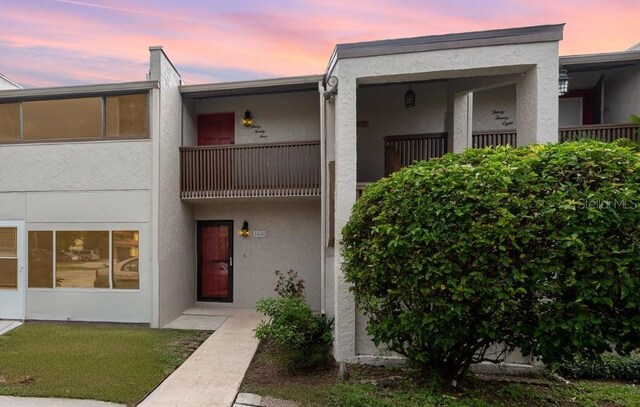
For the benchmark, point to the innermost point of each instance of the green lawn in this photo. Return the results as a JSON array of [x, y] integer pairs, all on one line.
[[117, 363], [385, 387]]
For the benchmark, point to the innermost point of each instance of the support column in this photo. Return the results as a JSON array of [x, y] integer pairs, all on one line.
[[344, 346], [537, 104], [461, 121]]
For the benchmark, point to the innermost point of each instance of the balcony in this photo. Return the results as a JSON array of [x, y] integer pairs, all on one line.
[[289, 169]]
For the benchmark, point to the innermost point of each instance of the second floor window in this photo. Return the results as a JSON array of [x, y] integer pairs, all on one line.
[[87, 118]]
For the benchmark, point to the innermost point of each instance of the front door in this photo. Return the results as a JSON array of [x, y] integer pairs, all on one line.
[[215, 261], [216, 129], [12, 275]]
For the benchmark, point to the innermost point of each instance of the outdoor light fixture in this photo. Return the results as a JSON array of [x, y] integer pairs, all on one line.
[[244, 232], [409, 98], [563, 82], [247, 121]]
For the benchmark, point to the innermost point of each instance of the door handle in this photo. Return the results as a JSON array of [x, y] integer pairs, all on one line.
[[230, 261]]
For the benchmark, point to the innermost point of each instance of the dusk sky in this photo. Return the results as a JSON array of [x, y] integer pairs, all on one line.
[[69, 42]]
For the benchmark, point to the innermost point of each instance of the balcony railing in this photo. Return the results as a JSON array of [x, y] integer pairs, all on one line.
[[493, 138], [401, 151], [601, 132], [251, 170]]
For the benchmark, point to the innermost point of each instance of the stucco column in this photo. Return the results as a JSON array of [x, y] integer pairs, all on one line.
[[537, 103], [461, 121], [346, 178]]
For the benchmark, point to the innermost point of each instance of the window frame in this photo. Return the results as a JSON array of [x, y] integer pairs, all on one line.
[[85, 289], [102, 138]]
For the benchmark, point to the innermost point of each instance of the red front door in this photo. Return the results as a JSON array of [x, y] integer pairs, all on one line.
[[216, 128], [215, 261]]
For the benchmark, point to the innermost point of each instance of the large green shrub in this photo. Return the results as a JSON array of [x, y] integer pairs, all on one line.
[[537, 247]]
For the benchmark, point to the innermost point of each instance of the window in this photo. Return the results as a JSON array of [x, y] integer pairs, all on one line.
[[62, 119], [87, 118], [8, 258], [125, 260], [9, 122], [40, 259], [126, 116], [82, 259]]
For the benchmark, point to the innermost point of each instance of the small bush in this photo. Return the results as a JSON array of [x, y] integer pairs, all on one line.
[[608, 367], [536, 248], [304, 337]]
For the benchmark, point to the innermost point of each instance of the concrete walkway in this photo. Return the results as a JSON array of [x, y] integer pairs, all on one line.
[[7, 325], [212, 375]]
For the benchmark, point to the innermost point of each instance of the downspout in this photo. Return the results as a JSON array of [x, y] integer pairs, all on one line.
[[323, 197]]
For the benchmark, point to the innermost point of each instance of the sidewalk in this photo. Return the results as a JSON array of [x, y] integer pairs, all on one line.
[[212, 375]]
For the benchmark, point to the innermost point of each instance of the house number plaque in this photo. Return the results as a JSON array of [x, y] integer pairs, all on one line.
[[259, 233]]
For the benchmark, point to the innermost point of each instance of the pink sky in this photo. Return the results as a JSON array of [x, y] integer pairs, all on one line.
[[67, 42]]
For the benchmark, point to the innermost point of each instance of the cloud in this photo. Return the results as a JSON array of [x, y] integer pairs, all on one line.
[[90, 41]]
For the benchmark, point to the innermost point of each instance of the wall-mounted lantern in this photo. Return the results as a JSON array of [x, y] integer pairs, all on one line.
[[409, 98], [563, 82], [247, 121], [244, 232]]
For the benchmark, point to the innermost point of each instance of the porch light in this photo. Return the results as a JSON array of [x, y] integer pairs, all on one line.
[[244, 232], [409, 98], [247, 121], [563, 82]]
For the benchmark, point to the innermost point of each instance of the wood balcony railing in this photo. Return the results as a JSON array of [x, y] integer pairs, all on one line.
[[601, 132], [401, 151], [493, 138], [250, 170]]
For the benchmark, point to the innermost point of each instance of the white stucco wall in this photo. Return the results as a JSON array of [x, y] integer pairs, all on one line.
[[176, 234], [82, 186], [382, 108], [283, 116], [621, 94], [486, 102], [292, 243], [83, 166]]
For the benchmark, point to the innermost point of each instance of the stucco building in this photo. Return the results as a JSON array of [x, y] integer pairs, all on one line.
[[130, 202]]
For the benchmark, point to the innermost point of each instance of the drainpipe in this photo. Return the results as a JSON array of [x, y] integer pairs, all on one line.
[[323, 195]]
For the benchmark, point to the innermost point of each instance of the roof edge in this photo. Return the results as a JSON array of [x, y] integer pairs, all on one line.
[[519, 35], [271, 85], [600, 57], [4, 78], [59, 92]]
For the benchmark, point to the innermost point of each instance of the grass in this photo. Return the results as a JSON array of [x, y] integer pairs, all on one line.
[[386, 387], [109, 362]]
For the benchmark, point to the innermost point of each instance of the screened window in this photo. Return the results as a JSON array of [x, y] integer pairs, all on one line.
[[82, 259], [62, 119], [126, 116], [8, 258], [40, 259], [9, 122]]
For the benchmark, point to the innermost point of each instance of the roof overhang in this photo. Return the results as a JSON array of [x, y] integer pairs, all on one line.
[[521, 35], [254, 87], [593, 62], [66, 92]]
